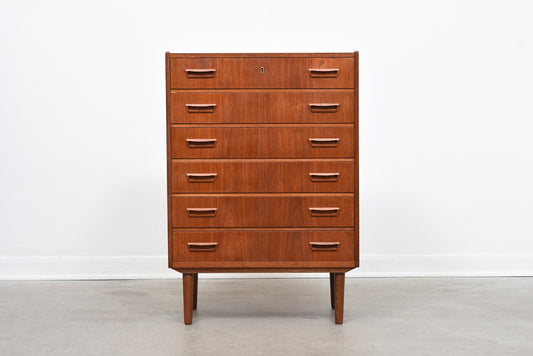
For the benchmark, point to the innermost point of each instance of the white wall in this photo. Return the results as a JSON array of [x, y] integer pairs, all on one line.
[[446, 92]]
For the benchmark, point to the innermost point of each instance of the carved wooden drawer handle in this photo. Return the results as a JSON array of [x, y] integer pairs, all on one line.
[[323, 107], [324, 177], [202, 246], [201, 212], [333, 211], [201, 177], [201, 108], [200, 73], [201, 142], [323, 72], [324, 142], [324, 246]]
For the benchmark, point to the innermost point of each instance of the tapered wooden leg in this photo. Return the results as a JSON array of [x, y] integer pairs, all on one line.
[[195, 293], [339, 297], [332, 289], [188, 291]]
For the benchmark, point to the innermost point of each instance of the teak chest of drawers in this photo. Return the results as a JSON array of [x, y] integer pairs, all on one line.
[[262, 164]]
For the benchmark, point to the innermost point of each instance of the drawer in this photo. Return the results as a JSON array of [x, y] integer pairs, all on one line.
[[262, 106], [263, 210], [261, 72], [225, 246], [262, 176], [241, 141]]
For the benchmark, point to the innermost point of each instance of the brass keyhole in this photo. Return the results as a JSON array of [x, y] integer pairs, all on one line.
[[262, 69]]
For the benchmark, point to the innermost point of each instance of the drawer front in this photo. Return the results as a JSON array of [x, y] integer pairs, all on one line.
[[299, 141], [290, 73], [263, 210], [262, 106], [262, 176], [263, 246]]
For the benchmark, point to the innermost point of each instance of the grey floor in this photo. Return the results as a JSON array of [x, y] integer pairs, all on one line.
[[401, 316]]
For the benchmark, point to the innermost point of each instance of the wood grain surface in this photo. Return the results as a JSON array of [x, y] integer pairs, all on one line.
[[267, 141], [263, 176], [279, 73], [263, 210], [263, 246], [261, 106]]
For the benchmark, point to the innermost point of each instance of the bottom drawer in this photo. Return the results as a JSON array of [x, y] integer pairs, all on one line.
[[275, 247]]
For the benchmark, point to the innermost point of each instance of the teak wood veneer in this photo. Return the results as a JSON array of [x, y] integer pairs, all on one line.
[[262, 166]]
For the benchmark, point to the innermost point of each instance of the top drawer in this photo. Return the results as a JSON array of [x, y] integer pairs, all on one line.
[[261, 72]]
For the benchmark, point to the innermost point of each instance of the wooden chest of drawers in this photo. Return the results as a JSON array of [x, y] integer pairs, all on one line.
[[262, 164]]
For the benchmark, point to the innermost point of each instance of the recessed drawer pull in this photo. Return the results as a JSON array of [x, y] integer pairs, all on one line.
[[323, 72], [324, 246], [201, 142], [201, 177], [200, 73], [324, 211], [324, 142], [324, 177], [202, 246], [323, 107], [201, 108], [201, 212]]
